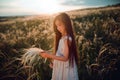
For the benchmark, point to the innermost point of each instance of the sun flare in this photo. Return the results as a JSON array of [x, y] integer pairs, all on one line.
[[43, 6], [48, 6]]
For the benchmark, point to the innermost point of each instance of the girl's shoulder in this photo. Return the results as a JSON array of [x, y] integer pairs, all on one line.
[[67, 37]]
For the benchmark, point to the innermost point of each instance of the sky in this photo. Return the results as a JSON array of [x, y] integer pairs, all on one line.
[[36, 7]]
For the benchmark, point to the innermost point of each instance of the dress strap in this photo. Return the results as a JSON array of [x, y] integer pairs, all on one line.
[[68, 37]]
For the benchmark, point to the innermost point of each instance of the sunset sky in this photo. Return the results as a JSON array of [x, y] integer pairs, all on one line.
[[33, 7]]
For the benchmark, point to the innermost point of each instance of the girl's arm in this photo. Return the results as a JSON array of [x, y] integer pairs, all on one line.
[[61, 58]]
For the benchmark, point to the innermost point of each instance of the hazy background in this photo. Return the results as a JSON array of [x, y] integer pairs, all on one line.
[[36, 7]]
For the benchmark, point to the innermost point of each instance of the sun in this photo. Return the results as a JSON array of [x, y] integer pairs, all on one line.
[[41, 6], [49, 6]]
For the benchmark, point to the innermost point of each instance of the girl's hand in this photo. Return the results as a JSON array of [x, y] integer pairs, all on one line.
[[44, 54], [51, 65]]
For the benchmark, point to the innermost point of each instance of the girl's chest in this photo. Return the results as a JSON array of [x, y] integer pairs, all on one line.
[[61, 45]]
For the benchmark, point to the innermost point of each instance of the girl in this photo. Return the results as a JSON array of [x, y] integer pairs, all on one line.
[[65, 56]]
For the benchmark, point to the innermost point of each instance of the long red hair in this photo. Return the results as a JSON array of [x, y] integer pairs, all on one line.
[[63, 17]]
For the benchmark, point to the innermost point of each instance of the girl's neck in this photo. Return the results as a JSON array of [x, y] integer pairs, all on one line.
[[64, 34]]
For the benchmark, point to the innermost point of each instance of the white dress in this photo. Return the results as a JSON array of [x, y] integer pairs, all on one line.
[[61, 69]]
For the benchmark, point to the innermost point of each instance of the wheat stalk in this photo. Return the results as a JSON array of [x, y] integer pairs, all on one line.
[[32, 57], [32, 60]]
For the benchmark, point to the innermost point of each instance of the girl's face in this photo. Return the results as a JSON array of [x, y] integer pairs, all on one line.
[[60, 26]]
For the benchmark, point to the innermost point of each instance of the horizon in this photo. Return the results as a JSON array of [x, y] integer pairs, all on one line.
[[37, 7]]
